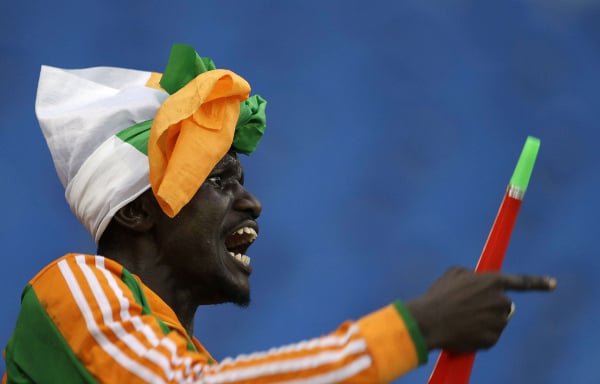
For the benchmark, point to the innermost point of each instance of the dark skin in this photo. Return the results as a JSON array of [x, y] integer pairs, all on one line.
[[186, 261], [463, 311]]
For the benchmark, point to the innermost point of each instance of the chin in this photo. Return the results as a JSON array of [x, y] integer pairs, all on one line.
[[235, 294], [243, 304], [241, 299]]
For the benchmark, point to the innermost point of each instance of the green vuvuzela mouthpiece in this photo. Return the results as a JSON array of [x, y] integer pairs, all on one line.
[[522, 173]]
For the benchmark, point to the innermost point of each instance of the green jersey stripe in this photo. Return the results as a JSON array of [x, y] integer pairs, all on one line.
[[140, 298], [413, 330], [38, 348]]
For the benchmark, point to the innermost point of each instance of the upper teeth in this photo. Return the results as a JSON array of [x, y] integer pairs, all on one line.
[[248, 235], [240, 237], [243, 258], [247, 230]]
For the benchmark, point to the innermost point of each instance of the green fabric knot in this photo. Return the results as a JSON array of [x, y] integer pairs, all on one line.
[[251, 124], [185, 64]]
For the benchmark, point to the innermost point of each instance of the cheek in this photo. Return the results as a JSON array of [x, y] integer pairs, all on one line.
[[201, 221], [198, 227]]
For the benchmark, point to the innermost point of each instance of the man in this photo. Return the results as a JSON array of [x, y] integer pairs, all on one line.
[[150, 167]]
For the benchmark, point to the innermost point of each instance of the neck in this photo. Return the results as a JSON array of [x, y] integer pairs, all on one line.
[[142, 259]]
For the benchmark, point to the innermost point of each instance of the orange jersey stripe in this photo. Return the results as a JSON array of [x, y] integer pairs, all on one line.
[[65, 291], [305, 359]]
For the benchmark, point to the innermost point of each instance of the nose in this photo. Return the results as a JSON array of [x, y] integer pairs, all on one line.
[[248, 202]]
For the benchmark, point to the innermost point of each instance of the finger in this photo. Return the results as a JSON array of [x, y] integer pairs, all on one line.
[[528, 283]]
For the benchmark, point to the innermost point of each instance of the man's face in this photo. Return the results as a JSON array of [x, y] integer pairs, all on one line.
[[205, 244]]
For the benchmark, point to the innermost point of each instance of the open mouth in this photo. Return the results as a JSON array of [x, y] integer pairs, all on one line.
[[238, 242]]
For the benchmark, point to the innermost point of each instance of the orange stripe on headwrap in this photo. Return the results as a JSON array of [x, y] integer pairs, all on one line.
[[192, 131]]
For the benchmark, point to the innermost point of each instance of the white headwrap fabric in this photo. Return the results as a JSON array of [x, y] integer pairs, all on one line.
[[80, 112]]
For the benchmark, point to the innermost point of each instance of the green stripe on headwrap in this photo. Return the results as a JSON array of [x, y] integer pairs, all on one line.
[[251, 124], [185, 64], [137, 135]]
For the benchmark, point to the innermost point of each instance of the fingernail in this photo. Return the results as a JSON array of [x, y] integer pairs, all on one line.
[[551, 282]]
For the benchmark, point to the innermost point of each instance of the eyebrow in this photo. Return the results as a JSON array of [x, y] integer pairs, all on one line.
[[231, 165], [239, 170]]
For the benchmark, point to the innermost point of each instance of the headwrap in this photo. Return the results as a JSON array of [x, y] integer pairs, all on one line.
[[114, 132]]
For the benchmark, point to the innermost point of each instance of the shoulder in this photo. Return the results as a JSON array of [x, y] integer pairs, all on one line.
[[71, 275], [66, 264]]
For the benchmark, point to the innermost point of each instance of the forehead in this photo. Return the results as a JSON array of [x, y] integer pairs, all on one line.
[[229, 162]]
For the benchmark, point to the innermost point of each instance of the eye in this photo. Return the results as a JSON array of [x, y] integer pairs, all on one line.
[[216, 180]]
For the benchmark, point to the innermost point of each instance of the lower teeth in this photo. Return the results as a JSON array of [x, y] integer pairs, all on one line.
[[243, 258]]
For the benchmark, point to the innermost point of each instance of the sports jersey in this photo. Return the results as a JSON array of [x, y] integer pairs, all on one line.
[[86, 319]]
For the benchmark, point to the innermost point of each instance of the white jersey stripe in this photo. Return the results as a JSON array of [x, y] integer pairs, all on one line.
[[186, 361], [128, 339], [124, 304], [289, 365], [338, 375], [139, 325], [317, 343], [118, 356]]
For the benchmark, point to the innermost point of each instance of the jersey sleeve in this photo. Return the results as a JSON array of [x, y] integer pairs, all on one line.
[[81, 322]]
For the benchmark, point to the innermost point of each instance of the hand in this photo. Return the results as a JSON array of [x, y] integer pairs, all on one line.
[[464, 311]]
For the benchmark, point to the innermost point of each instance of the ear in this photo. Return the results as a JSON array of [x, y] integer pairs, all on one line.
[[139, 215]]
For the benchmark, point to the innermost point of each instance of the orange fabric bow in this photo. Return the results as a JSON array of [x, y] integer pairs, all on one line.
[[191, 133]]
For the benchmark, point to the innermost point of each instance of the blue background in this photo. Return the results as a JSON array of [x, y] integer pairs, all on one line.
[[393, 129]]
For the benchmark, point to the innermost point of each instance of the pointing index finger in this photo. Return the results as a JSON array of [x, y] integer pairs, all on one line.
[[528, 282]]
